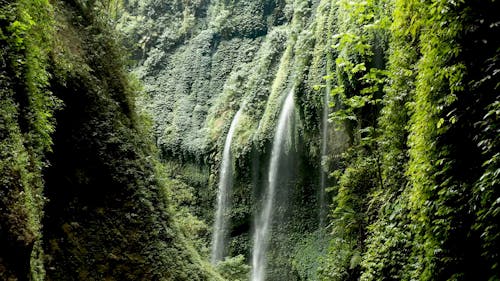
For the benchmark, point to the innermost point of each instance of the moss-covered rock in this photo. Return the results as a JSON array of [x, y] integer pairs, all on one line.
[[239, 54], [83, 195]]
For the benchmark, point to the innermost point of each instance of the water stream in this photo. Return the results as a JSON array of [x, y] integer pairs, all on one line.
[[324, 151], [264, 219], [223, 197]]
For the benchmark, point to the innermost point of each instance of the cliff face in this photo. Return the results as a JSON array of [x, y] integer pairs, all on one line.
[[26, 122], [406, 84], [82, 194], [201, 61], [100, 177], [83, 189]]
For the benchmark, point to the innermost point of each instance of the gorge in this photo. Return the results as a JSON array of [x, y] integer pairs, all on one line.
[[261, 140]]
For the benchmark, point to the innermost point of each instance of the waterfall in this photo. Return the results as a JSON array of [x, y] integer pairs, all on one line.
[[324, 148], [263, 221], [223, 196]]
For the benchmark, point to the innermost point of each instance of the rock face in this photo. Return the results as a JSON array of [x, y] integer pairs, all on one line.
[[200, 61], [82, 194], [407, 81]]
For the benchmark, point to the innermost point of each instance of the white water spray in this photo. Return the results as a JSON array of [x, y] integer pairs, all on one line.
[[223, 196], [263, 221]]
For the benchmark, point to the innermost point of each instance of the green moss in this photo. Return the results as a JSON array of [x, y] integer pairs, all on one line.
[[409, 100], [27, 122], [240, 54], [111, 214], [420, 214]]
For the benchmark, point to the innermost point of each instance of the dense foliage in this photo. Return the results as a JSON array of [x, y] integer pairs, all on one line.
[[108, 177], [411, 199], [412, 145], [26, 108], [201, 61], [83, 196]]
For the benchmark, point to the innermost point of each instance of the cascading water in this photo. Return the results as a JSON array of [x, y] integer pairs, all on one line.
[[324, 148], [263, 221], [223, 196]]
